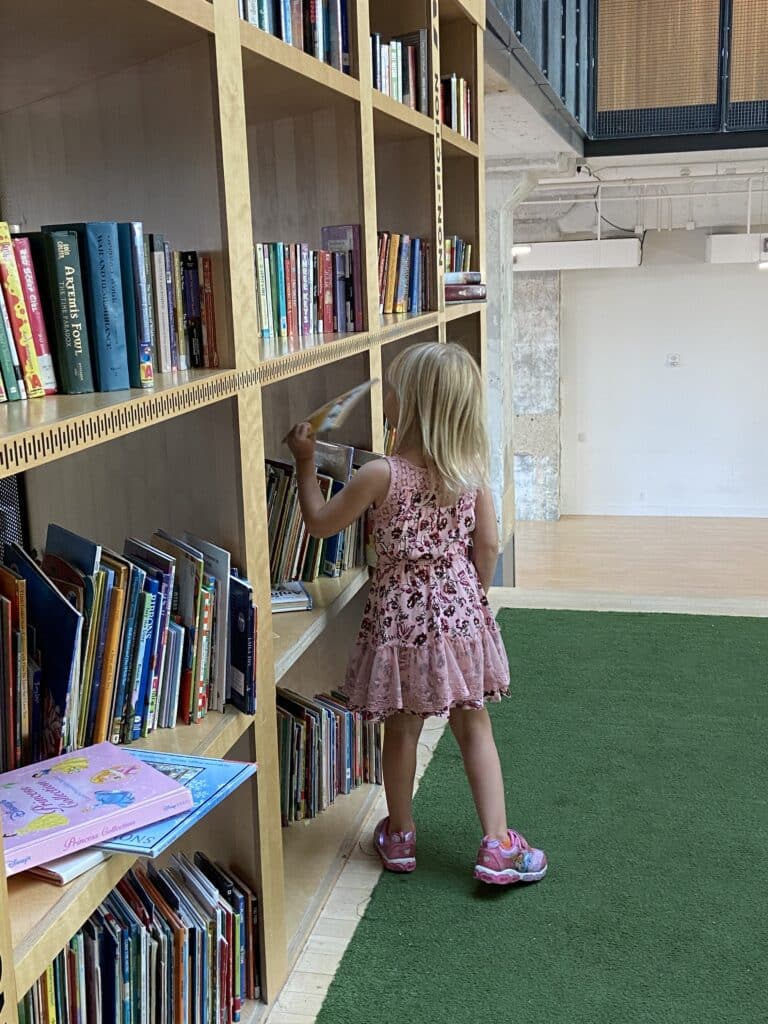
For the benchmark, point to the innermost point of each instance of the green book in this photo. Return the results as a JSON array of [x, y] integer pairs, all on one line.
[[10, 379]]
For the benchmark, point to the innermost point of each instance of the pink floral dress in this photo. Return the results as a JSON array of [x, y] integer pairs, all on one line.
[[428, 641]]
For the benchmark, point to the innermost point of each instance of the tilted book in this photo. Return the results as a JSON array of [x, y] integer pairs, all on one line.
[[207, 780], [81, 799]]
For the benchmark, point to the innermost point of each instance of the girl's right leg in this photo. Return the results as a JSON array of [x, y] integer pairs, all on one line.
[[401, 740]]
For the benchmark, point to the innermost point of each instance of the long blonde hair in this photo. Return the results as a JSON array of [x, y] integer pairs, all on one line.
[[440, 396]]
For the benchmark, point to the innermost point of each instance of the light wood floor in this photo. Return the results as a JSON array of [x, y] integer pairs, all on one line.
[[683, 557]]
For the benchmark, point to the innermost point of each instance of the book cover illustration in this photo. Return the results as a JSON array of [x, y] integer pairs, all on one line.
[[333, 414], [78, 800], [207, 780]]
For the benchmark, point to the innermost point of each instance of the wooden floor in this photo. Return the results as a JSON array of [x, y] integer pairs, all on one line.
[[682, 557]]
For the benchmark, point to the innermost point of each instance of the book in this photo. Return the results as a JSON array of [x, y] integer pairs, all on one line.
[[18, 317], [66, 869], [136, 304], [332, 414], [100, 259], [32, 298], [13, 378], [208, 781], [241, 679], [78, 800], [465, 292], [463, 277], [59, 254], [217, 565], [192, 313], [162, 310], [208, 313], [291, 597], [346, 238]]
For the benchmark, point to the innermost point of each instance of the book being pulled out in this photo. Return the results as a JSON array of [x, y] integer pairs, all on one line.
[[333, 414], [78, 800]]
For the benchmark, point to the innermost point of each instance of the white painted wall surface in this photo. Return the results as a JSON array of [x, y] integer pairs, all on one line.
[[640, 437]]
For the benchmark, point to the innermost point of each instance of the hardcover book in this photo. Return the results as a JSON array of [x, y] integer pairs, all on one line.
[[78, 800], [207, 780]]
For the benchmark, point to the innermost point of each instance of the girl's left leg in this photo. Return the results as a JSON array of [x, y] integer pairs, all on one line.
[[401, 740]]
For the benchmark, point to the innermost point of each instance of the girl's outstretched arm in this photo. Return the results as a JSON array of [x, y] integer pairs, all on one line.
[[485, 539], [325, 518]]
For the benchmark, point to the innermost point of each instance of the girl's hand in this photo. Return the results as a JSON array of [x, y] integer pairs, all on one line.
[[301, 441]]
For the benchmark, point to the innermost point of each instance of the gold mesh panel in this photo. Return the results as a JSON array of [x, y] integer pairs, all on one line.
[[749, 51], [658, 53]]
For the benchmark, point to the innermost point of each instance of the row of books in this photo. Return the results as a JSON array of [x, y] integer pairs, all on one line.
[[319, 27], [97, 645], [178, 944], [100, 306], [325, 750], [458, 255], [293, 553], [464, 286], [303, 291], [400, 68], [456, 105], [405, 273]]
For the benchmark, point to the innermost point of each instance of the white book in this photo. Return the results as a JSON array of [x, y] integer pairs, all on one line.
[[64, 869]]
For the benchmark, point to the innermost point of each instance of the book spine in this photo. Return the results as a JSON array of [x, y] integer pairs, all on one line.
[[143, 305], [423, 72], [286, 24], [327, 278], [274, 287], [125, 246], [290, 291], [263, 291], [464, 276], [346, 63], [306, 291], [145, 678], [252, 12], [17, 314], [12, 376], [268, 292], [357, 278], [297, 24], [107, 298], [335, 40], [162, 316], [132, 623], [148, 277], [171, 299], [282, 296], [403, 275], [138, 658], [204, 654], [209, 311], [376, 61], [23, 253], [264, 19], [413, 286], [393, 261], [191, 293], [180, 309], [464, 292]]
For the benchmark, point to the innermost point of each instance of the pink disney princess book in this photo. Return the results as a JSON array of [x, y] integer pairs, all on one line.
[[76, 800]]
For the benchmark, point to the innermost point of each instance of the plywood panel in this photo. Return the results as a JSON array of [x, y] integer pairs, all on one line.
[[659, 53]]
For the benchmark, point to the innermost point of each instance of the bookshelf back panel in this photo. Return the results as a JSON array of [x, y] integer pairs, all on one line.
[[289, 401], [178, 475], [458, 55], [305, 174], [48, 48], [467, 333], [405, 183], [389, 352], [323, 666], [81, 156], [460, 179], [392, 20]]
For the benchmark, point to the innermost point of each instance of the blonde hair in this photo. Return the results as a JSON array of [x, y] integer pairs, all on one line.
[[440, 395]]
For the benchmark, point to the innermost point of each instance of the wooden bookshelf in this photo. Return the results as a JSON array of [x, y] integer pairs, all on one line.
[[180, 114]]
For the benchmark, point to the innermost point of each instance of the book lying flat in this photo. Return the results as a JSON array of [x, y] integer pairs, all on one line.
[[291, 597], [206, 779], [78, 800], [65, 869]]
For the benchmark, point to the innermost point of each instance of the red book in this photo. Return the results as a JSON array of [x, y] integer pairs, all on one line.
[[327, 262], [23, 251], [464, 292], [13, 292], [290, 291]]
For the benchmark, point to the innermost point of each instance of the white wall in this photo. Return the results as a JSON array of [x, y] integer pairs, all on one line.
[[640, 437]]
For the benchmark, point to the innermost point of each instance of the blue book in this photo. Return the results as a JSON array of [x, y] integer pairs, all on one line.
[[100, 259], [286, 29], [333, 545], [98, 666], [208, 779], [135, 587], [282, 298], [136, 303], [242, 685], [152, 588], [58, 630], [139, 657], [415, 284], [346, 65]]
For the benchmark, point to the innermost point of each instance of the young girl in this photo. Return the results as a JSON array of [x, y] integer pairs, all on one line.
[[428, 643]]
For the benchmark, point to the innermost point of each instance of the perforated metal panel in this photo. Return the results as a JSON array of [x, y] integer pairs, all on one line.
[[13, 525], [748, 67]]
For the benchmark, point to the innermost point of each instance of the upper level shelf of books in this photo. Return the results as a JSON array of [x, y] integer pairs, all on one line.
[[282, 81], [47, 48]]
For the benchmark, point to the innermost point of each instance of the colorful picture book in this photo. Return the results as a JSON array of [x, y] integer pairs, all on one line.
[[98, 645], [71, 802], [319, 27], [333, 414], [325, 751], [166, 946], [400, 68], [456, 105], [303, 291], [405, 273], [209, 781], [294, 554], [100, 306]]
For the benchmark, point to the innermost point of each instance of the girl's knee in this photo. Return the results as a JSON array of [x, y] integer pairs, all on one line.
[[404, 724], [468, 722]]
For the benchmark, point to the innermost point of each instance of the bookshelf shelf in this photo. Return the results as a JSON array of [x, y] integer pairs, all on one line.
[[182, 115], [295, 632], [42, 429], [457, 310], [283, 81], [82, 41], [314, 853], [455, 144], [394, 121]]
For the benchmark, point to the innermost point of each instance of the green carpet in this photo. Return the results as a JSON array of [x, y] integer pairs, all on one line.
[[635, 753]]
